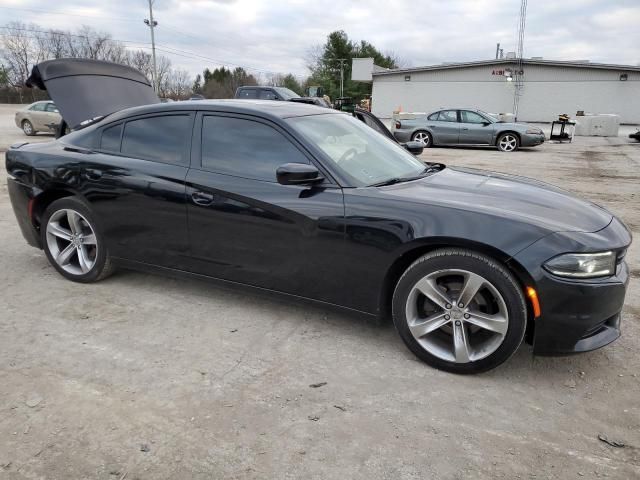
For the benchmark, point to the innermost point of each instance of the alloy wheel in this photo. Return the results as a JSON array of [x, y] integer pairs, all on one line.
[[457, 315], [27, 128], [508, 143], [72, 242], [422, 137]]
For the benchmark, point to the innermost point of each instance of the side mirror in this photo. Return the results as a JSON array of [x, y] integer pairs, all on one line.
[[486, 124], [414, 147], [298, 174]]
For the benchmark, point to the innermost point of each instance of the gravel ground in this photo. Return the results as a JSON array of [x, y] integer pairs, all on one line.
[[145, 377]]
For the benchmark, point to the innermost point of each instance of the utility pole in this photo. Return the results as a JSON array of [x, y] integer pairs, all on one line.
[[341, 60], [152, 23], [497, 50]]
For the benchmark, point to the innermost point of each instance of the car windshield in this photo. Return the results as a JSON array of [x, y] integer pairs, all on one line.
[[286, 93], [363, 155], [489, 116]]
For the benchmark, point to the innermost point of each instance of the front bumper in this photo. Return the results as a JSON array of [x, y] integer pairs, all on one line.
[[531, 140], [577, 315]]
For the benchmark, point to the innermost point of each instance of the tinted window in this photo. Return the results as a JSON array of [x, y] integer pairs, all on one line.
[[472, 117], [245, 148], [448, 116], [268, 95], [247, 93], [110, 139], [158, 138], [38, 107]]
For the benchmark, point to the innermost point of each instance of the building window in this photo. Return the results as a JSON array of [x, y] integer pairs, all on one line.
[[407, 78]]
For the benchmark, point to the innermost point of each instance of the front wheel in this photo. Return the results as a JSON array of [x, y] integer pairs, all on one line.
[[459, 311], [424, 138], [508, 142], [73, 241]]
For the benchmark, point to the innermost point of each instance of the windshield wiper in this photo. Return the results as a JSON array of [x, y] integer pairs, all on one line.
[[394, 180]]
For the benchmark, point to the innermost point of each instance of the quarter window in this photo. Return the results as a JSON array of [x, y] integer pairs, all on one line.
[[110, 140], [472, 117], [162, 138], [245, 148], [433, 117]]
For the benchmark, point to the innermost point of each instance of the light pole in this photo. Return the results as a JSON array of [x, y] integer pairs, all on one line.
[[341, 60], [152, 23]]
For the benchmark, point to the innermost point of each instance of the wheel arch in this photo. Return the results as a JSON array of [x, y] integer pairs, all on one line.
[[46, 198], [419, 248], [499, 134]]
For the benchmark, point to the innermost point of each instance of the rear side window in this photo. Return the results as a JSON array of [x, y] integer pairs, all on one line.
[[448, 116], [110, 139], [245, 148], [247, 93], [163, 139], [38, 107]]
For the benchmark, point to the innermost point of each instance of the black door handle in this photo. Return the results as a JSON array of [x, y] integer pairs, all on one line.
[[92, 174], [202, 198]]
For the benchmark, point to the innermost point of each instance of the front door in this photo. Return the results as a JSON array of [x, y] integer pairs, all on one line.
[[474, 129], [243, 225]]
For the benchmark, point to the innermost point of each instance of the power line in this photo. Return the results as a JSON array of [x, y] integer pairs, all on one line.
[[51, 12]]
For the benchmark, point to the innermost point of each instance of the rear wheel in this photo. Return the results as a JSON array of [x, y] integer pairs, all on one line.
[[508, 142], [27, 128], [423, 137], [73, 241], [459, 311]]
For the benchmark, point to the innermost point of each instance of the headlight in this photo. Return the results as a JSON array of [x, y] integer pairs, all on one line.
[[583, 265], [534, 131]]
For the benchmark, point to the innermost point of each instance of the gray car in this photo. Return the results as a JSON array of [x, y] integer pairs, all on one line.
[[38, 117], [455, 126]]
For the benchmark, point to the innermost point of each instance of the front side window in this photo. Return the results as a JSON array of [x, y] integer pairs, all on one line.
[[162, 138], [448, 116], [472, 117], [268, 95], [361, 154], [244, 148], [51, 107]]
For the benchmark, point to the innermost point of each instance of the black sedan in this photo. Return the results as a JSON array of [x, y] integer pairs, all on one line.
[[314, 204]]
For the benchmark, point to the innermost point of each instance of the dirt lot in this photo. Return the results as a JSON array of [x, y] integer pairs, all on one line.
[[145, 377]]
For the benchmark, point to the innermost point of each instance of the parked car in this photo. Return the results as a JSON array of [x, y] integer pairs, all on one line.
[[38, 117], [265, 93], [635, 135], [454, 126], [312, 203]]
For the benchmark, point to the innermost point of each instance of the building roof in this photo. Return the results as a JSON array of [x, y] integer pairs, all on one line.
[[511, 61]]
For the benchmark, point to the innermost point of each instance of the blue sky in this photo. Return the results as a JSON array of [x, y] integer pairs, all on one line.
[[277, 35]]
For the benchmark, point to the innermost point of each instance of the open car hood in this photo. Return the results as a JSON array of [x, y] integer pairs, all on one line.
[[85, 89]]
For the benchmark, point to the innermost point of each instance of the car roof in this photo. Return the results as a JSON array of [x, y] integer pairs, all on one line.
[[263, 108]]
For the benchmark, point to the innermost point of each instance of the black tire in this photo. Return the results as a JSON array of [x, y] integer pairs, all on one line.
[[427, 139], [491, 270], [102, 266], [500, 143], [27, 128]]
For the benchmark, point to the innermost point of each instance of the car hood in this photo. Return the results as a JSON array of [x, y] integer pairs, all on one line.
[[517, 198], [85, 89]]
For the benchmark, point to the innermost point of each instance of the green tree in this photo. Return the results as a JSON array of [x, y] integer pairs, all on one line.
[[290, 82], [325, 65]]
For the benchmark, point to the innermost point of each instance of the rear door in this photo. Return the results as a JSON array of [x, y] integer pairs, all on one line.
[[445, 127], [135, 182], [474, 129], [246, 227]]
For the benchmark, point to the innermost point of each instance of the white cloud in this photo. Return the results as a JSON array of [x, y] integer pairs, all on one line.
[[276, 36]]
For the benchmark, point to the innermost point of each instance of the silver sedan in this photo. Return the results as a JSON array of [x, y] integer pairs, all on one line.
[[454, 126], [38, 117]]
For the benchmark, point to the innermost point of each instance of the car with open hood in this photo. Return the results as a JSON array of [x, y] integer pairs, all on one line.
[[312, 203], [467, 127]]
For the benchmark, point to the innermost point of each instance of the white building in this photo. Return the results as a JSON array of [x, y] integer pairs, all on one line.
[[549, 88]]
